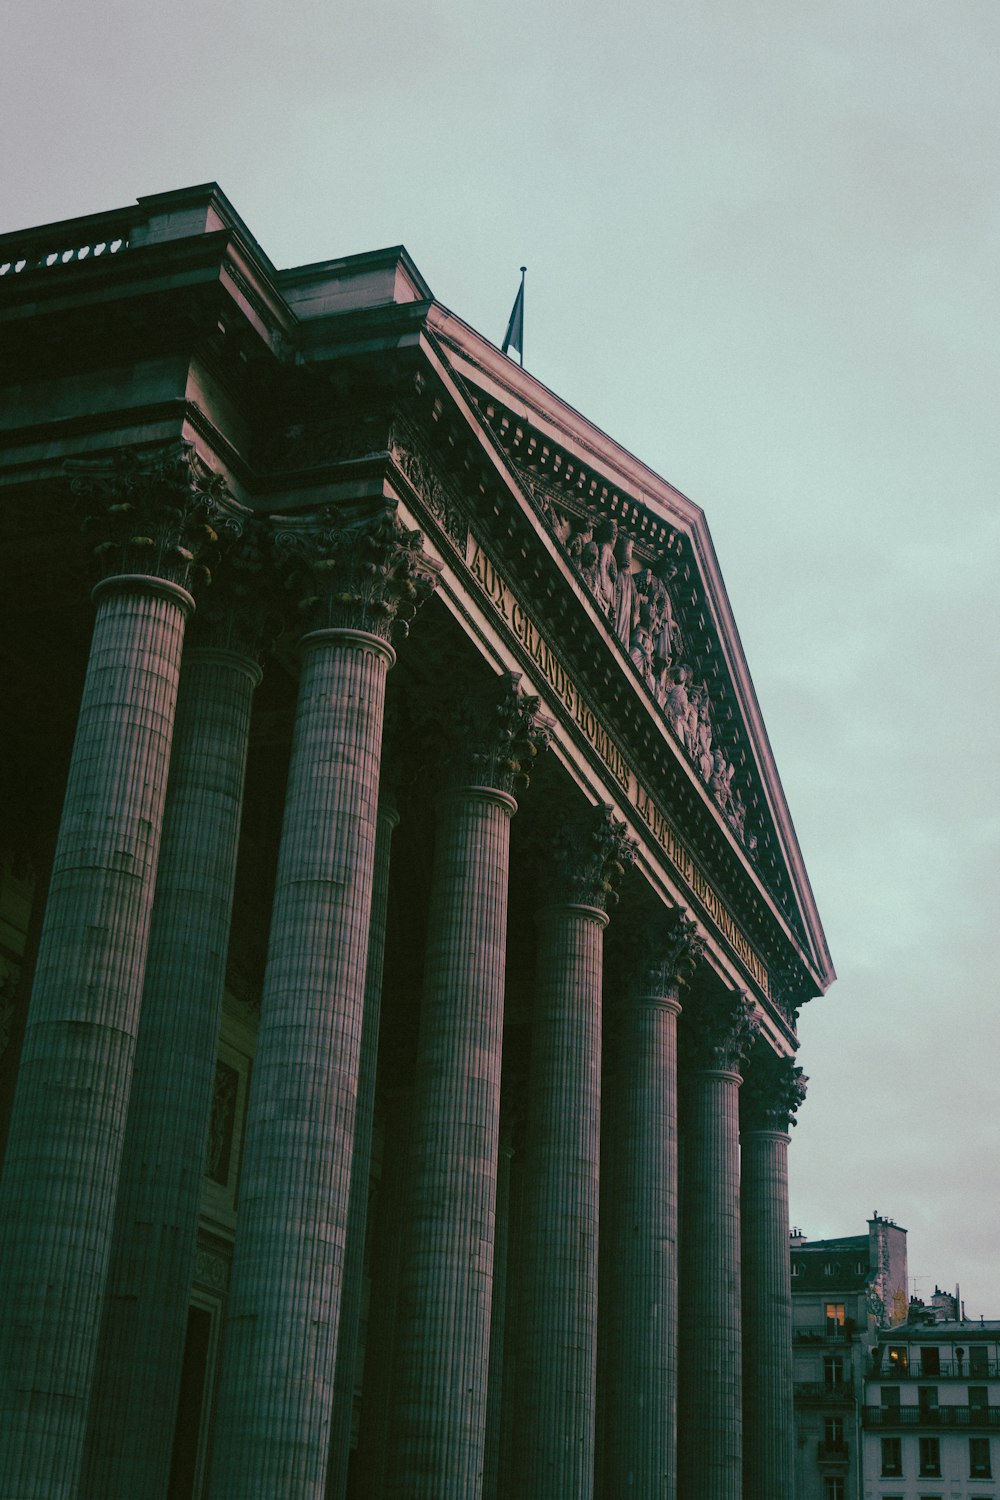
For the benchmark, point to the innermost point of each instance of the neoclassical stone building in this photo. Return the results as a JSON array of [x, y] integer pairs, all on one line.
[[403, 928]]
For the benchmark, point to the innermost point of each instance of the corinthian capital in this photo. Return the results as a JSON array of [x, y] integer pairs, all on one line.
[[588, 854], [158, 512], [719, 1033], [355, 570], [241, 611], [492, 736], [773, 1090], [665, 953]]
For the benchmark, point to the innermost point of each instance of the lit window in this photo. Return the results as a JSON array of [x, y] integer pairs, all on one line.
[[834, 1318], [979, 1458], [930, 1458], [892, 1458], [899, 1358]]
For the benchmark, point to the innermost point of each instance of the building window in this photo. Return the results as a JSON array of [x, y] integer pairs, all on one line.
[[979, 1459], [930, 1362], [930, 1458], [892, 1458], [833, 1488], [795, 1268], [833, 1430], [899, 1359], [979, 1361], [833, 1371], [890, 1397], [834, 1319], [927, 1401], [979, 1403]]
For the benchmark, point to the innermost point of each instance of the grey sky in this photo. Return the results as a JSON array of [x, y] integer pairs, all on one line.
[[762, 245]]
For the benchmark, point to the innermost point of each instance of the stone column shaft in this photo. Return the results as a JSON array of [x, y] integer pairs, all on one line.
[[498, 1321], [357, 1216], [68, 1121], [710, 1407], [774, 1089], [641, 1390], [134, 1403], [557, 1361], [440, 1390], [276, 1386], [768, 1418]]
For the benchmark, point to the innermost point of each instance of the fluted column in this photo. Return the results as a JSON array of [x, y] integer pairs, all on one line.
[[557, 1314], [640, 1310], [710, 1415], [498, 1318], [137, 1380], [276, 1385], [440, 1388], [773, 1091], [68, 1120], [357, 1214]]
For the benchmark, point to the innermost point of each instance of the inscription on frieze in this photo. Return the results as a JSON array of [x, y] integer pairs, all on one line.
[[551, 669]]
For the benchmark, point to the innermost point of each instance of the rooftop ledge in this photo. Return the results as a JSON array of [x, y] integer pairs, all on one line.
[[371, 279]]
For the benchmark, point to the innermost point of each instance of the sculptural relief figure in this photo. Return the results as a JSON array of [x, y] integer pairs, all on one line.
[[626, 599], [703, 739], [667, 633], [737, 814], [559, 523], [677, 702], [696, 696], [641, 637], [607, 568], [579, 541], [721, 780], [584, 550]]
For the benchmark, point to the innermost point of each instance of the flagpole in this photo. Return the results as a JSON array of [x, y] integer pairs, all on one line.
[[521, 350]]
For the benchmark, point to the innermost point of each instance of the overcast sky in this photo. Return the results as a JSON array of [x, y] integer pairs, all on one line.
[[762, 244]]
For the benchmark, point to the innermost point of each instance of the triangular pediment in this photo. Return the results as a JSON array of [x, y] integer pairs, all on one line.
[[643, 557]]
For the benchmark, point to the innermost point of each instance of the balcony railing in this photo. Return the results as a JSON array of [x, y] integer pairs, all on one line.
[[947, 1370], [932, 1416]]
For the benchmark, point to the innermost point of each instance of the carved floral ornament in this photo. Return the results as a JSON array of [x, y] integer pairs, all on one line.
[[666, 954], [491, 738], [637, 603], [588, 855], [360, 572], [773, 1089], [719, 1033], [160, 512]]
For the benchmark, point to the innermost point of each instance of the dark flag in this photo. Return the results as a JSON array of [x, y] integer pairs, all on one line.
[[514, 337]]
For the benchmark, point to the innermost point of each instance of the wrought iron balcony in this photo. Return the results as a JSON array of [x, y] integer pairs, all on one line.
[[947, 1370], [932, 1416]]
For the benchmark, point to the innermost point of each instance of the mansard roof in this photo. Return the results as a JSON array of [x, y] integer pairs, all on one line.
[[346, 373]]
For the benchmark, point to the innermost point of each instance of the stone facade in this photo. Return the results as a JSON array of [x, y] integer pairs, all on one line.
[[402, 928]]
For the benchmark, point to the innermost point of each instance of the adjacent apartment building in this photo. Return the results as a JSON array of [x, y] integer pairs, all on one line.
[[844, 1291], [932, 1407]]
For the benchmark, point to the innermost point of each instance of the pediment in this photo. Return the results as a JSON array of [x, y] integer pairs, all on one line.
[[642, 556]]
